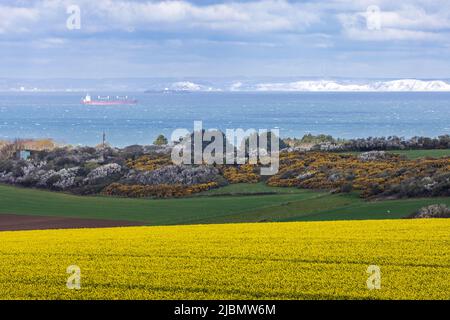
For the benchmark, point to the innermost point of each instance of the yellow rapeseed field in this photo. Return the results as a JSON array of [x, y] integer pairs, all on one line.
[[306, 260]]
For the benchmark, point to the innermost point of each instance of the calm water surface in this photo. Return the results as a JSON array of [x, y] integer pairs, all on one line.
[[347, 115]]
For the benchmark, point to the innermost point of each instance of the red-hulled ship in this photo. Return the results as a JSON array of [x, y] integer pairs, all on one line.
[[108, 101]]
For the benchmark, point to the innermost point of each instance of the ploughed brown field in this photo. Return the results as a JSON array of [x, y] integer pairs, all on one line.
[[13, 222]]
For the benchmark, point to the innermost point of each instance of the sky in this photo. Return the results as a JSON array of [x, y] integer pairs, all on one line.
[[276, 38]]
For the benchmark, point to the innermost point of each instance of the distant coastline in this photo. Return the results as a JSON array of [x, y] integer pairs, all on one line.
[[267, 84]]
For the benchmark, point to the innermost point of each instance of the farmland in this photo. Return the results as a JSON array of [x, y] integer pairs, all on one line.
[[417, 154], [297, 260], [234, 203]]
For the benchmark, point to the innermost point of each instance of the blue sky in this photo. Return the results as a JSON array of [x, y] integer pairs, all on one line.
[[279, 38]]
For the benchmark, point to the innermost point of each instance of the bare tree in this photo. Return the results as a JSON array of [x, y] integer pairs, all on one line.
[[9, 150]]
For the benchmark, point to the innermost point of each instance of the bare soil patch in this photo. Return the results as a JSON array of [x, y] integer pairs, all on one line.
[[12, 222]]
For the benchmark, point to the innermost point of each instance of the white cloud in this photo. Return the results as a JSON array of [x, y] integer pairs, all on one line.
[[412, 17], [101, 15], [256, 16], [14, 19], [397, 21], [392, 34], [405, 20], [49, 43]]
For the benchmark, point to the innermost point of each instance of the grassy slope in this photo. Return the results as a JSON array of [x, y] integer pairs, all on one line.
[[417, 154], [249, 189], [313, 260], [155, 212], [223, 207], [331, 207]]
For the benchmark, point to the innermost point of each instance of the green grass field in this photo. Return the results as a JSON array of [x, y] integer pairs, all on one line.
[[250, 189], [417, 154], [234, 203]]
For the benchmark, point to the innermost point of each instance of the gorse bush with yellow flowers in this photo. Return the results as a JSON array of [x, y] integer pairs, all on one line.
[[245, 173], [149, 162], [156, 191], [390, 175]]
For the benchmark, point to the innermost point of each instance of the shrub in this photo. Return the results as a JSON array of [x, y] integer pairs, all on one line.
[[160, 140], [182, 175], [373, 174], [103, 172], [6, 165], [149, 162], [245, 173], [346, 188], [432, 211], [156, 191], [132, 152]]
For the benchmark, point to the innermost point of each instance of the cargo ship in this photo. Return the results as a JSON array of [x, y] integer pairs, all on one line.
[[108, 101]]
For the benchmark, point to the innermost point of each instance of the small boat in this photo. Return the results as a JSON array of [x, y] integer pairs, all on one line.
[[107, 101]]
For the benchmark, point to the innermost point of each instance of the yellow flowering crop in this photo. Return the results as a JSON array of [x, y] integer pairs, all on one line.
[[305, 260]]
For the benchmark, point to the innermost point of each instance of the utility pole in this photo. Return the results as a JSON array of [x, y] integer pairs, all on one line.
[[103, 145], [104, 140]]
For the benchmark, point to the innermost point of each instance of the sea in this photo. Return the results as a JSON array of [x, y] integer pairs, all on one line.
[[61, 116]]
